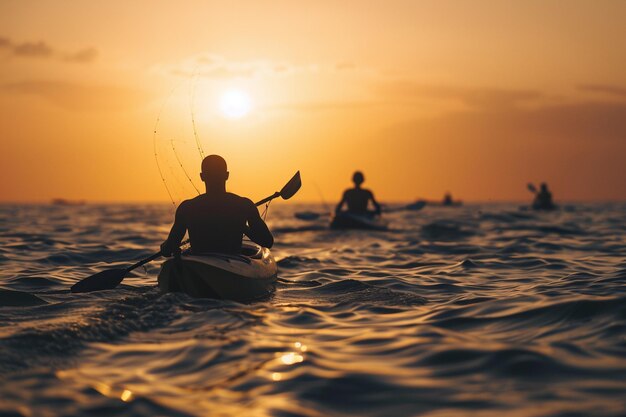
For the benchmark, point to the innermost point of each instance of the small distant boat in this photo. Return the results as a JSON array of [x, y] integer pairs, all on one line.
[[65, 202], [436, 203], [345, 220]]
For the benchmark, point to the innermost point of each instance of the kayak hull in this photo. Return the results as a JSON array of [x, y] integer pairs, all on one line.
[[540, 207], [346, 220], [243, 277]]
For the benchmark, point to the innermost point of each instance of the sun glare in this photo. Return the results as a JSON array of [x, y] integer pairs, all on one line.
[[235, 104]]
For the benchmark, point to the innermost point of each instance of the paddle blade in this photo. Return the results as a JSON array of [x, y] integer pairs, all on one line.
[[291, 187], [105, 280], [531, 187]]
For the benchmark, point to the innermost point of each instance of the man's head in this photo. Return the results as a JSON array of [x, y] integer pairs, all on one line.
[[214, 169], [358, 178]]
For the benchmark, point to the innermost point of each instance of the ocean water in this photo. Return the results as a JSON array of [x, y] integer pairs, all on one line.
[[482, 310]]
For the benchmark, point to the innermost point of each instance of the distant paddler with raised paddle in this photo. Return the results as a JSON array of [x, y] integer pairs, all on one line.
[[218, 263], [543, 197]]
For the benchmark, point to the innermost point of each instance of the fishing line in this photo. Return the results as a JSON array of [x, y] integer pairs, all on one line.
[[267, 206], [319, 191], [168, 188], [182, 167], [180, 185], [154, 146], [192, 100]]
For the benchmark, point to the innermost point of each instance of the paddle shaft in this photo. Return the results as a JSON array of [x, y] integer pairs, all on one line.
[[266, 199], [158, 254], [144, 261]]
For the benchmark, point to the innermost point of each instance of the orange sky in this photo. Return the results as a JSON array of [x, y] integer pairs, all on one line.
[[474, 97]]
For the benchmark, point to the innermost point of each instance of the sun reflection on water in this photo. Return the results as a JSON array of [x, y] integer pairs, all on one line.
[[291, 358], [126, 395]]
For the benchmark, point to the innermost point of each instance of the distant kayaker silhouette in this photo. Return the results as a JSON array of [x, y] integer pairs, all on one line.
[[358, 198], [216, 220], [543, 199]]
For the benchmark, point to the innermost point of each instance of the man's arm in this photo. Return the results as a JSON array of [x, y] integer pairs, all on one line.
[[341, 203], [176, 234], [376, 205], [257, 230]]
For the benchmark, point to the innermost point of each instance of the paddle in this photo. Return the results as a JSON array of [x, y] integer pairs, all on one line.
[[531, 187], [111, 278]]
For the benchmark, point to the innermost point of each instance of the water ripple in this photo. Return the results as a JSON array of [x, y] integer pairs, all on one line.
[[481, 310]]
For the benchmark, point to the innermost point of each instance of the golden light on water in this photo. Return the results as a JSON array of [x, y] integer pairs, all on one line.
[[291, 358], [277, 376], [102, 388], [126, 395]]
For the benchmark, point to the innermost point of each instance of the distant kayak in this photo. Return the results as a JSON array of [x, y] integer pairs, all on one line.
[[345, 220], [455, 203], [418, 205], [308, 215], [242, 277], [546, 207], [540, 208]]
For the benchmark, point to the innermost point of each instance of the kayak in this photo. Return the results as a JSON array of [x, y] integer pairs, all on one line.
[[307, 215], [239, 277], [455, 203], [418, 205], [544, 207], [539, 208], [345, 220]]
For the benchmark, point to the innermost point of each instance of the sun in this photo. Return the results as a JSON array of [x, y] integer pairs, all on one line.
[[235, 104]]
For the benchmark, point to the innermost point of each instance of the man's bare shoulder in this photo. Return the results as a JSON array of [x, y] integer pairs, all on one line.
[[239, 199], [186, 204], [243, 202]]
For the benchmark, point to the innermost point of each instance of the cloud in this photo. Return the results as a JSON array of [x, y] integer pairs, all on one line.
[[218, 67], [315, 106], [409, 93], [83, 56], [32, 49], [577, 146], [43, 50], [612, 90], [589, 122], [82, 97], [477, 98], [228, 72]]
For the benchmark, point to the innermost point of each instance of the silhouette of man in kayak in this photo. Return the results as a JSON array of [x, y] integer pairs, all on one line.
[[543, 199], [357, 198], [216, 220]]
